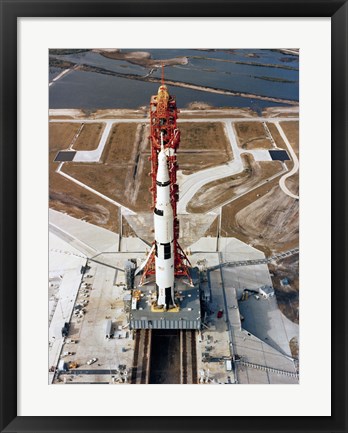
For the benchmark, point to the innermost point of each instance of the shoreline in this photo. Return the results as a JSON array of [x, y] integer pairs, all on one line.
[[196, 110]]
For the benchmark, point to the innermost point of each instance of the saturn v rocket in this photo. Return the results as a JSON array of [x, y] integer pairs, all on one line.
[[164, 234], [166, 259]]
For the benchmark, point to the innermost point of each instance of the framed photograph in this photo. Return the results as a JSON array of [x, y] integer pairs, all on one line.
[[177, 184]]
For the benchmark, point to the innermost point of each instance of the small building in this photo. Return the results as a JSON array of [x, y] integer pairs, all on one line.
[[266, 291], [228, 365]]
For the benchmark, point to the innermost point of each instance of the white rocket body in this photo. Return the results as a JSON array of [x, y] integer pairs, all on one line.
[[164, 235]]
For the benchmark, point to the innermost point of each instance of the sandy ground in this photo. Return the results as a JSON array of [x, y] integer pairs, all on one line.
[[89, 136], [281, 111]]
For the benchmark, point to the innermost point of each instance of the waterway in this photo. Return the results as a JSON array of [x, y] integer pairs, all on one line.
[[260, 72]]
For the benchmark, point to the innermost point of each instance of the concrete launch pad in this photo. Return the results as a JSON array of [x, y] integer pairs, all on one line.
[[258, 344], [187, 299]]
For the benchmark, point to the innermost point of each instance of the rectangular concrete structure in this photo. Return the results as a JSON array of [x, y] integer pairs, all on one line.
[[187, 298]]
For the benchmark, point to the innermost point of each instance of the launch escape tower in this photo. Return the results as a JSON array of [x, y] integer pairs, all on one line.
[[164, 132]]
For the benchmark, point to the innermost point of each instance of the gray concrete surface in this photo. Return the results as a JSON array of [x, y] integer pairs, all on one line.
[[261, 339], [89, 236], [264, 319]]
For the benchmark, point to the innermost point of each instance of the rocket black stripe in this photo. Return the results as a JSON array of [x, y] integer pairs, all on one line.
[[162, 183]]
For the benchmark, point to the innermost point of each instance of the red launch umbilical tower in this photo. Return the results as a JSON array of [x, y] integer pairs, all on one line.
[[163, 116]]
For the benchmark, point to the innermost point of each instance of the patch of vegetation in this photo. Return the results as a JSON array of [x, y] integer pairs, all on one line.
[[58, 63], [288, 59], [65, 51], [275, 79]]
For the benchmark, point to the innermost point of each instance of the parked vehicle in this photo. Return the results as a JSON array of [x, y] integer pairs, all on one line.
[[108, 330], [62, 365], [67, 354]]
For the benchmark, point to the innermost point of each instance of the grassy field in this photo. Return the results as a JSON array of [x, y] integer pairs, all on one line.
[[89, 136], [276, 136], [252, 135], [122, 174], [66, 196], [202, 145], [202, 136], [120, 145], [291, 130], [61, 135]]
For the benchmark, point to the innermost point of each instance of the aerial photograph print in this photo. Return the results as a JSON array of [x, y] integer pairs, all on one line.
[[173, 216]]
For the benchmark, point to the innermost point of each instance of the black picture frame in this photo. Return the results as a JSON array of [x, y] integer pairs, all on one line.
[[13, 9]]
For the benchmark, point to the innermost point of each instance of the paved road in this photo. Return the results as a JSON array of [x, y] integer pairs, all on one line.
[[191, 119], [294, 158], [94, 155]]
